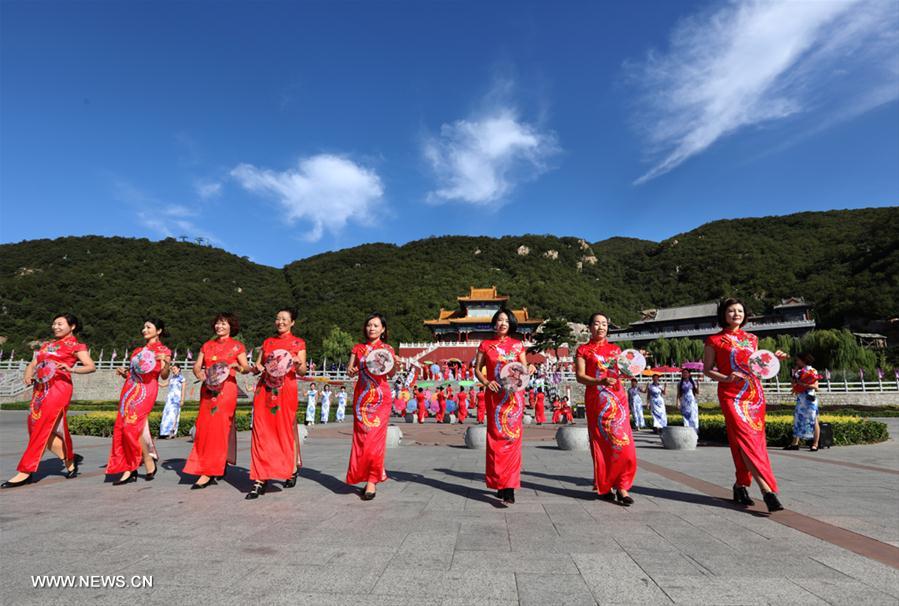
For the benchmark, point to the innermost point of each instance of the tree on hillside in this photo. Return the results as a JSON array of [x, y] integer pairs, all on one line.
[[337, 345], [552, 334]]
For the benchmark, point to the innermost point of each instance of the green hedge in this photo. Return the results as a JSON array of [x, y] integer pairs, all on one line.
[[100, 423], [779, 429]]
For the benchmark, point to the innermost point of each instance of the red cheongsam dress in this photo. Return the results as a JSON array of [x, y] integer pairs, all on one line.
[[371, 415], [504, 415], [215, 439], [50, 400], [608, 420], [135, 403], [743, 404], [482, 406], [274, 447], [462, 411], [540, 408]]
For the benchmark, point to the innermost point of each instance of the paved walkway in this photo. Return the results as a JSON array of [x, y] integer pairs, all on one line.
[[435, 535]]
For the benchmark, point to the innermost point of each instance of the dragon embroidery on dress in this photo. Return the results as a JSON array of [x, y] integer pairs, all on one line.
[[511, 407], [371, 398], [747, 403], [612, 421]]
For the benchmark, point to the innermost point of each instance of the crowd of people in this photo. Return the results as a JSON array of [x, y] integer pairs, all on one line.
[[275, 446]]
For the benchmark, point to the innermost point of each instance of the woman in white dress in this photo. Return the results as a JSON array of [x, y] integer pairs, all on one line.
[[168, 427]]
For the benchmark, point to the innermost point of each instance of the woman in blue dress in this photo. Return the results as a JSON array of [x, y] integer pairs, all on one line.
[[805, 416], [687, 390], [636, 404], [168, 427], [656, 392]]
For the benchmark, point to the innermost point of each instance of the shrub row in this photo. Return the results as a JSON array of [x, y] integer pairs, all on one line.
[[779, 429], [100, 423]]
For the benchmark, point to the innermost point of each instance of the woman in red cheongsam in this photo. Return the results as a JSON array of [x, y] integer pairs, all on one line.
[[275, 444], [51, 374], [608, 417], [504, 409], [131, 440], [481, 398], [540, 407], [215, 439], [371, 409], [742, 401]]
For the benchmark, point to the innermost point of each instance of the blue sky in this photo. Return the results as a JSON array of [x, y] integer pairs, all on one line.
[[282, 130]]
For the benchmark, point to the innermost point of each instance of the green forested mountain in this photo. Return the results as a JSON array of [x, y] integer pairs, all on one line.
[[845, 262]]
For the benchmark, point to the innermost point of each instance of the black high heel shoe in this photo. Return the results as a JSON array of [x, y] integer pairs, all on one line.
[[509, 496], [608, 496], [72, 473], [150, 475], [131, 478], [9, 484], [626, 501], [292, 481], [772, 502], [258, 490], [741, 496], [198, 486]]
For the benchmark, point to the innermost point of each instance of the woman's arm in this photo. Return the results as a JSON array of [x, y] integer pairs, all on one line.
[[479, 364], [301, 365], [708, 365], [351, 367], [581, 373], [199, 373], [87, 365]]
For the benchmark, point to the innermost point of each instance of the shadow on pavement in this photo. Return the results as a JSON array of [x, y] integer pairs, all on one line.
[[463, 491]]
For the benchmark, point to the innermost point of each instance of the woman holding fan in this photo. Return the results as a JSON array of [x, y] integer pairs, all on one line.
[[608, 418], [505, 407], [131, 440], [742, 399], [215, 441], [275, 446], [373, 362], [50, 373]]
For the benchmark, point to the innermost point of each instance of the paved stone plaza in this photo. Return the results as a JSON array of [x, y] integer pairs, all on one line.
[[435, 535]]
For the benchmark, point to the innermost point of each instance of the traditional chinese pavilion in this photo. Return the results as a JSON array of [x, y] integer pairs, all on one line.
[[471, 321]]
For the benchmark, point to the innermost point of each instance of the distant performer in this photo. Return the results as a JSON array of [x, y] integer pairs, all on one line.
[[215, 440], [687, 390], [371, 406], [636, 404], [421, 405], [805, 416], [340, 415], [742, 400], [482, 404], [311, 394], [275, 446], [326, 403], [441, 405], [504, 408], [540, 407], [171, 414], [656, 393], [608, 418], [50, 373], [131, 440], [462, 399]]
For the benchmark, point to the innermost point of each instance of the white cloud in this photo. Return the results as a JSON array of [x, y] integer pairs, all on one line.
[[481, 160], [166, 220], [207, 189], [325, 190], [754, 62]]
